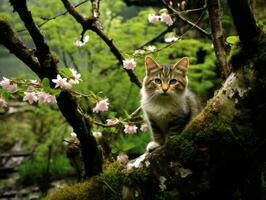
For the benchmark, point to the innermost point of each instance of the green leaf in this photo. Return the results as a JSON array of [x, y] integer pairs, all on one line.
[[164, 10], [232, 39], [47, 88], [66, 72], [46, 84], [4, 94]]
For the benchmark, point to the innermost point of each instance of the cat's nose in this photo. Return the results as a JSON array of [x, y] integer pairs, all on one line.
[[165, 87]]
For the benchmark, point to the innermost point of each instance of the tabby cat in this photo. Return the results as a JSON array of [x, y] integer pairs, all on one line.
[[167, 103]]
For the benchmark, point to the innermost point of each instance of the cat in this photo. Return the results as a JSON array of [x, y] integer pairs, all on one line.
[[166, 101]]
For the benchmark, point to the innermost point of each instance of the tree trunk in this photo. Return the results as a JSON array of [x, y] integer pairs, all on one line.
[[221, 152]]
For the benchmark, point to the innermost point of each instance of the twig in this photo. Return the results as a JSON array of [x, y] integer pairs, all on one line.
[[194, 10], [180, 16], [169, 28], [47, 19], [178, 38], [109, 187], [217, 36], [136, 112], [94, 25], [102, 124]]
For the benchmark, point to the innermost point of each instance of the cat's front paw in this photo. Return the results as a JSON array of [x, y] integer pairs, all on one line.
[[151, 146]]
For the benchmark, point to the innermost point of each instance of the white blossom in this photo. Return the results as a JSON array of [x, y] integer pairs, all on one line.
[[152, 18], [129, 64], [75, 78], [101, 106], [80, 43], [61, 82]]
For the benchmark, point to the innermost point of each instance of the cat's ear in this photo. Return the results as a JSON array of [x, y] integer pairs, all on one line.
[[182, 65], [151, 65]]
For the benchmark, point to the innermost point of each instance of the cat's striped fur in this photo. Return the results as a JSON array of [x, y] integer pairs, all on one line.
[[167, 103]]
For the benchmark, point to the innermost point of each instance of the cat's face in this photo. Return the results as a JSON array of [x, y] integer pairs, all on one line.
[[163, 79]]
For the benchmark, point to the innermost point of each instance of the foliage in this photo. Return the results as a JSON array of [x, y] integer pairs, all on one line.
[[36, 170], [102, 76]]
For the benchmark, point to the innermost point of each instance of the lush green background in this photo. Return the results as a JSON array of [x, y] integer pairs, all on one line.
[[44, 127]]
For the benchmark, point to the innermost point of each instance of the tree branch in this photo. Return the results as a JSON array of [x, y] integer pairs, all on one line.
[[94, 25], [181, 17], [47, 19], [11, 41], [217, 36], [42, 48], [245, 23], [159, 35]]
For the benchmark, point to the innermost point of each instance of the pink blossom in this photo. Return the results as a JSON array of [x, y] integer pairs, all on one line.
[[2, 102], [44, 97], [152, 18], [171, 39], [75, 79], [31, 97], [130, 129], [8, 85], [101, 106], [129, 63], [123, 158], [144, 127], [112, 122], [51, 98], [80, 43], [166, 18], [61, 82]]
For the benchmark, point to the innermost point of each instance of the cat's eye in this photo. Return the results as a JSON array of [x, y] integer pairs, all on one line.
[[173, 81], [157, 81]]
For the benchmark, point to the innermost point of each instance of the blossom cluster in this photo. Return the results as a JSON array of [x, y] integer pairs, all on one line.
[[66, 83], [164, 17], [132, 129], [40, 97]]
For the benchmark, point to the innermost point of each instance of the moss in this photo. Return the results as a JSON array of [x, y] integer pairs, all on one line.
[[182, 146], [5, 28], [107, 185], [80, 191]]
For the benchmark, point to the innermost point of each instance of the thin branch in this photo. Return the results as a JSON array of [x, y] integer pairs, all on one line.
[[178, 38], [94, 25], [217, 36], [194, 10], [47, 19], [154, 39], [180, 16]]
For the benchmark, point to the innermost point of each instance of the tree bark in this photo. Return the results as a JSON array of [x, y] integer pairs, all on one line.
[[217, 36]]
